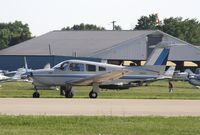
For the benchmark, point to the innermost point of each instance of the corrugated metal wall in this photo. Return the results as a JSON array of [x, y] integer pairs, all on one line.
[[11, 62]]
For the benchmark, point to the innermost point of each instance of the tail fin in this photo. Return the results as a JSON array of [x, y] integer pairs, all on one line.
[[159, 55]]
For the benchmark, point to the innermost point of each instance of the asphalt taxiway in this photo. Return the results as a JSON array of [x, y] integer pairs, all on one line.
[[99, 107]]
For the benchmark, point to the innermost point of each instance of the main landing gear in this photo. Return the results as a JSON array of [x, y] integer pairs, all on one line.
[[93, 94], [66, 91]]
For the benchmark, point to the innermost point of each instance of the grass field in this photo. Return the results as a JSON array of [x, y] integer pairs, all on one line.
[[63, 125], [157, 90], [102, 125]]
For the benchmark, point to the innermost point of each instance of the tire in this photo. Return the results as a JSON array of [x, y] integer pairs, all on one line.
[[62, 90], [69, 94], [36, 95], [93, 94]]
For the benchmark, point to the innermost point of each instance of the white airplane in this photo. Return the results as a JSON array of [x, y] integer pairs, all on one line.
[[85, 73], [3, 77], [15, 77]]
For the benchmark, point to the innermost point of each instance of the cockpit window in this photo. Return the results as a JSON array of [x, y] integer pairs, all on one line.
[[102, 69], [64, 66], [91, 68], [61, 65], [76, 67]]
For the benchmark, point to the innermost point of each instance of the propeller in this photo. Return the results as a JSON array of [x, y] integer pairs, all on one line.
[[27, 73]]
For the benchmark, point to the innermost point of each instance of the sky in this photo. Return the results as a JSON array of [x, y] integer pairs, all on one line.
[[43, 16]]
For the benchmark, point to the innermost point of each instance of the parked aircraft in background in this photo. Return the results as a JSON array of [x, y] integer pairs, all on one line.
[[11, 76], [182, 76], [188, 75], [193, 78], [85, 73], [14, 77]]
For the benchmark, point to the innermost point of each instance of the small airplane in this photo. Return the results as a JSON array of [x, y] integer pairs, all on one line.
[[193, 78], [182, 76], [14, 77], [188, 75], [85, 73]]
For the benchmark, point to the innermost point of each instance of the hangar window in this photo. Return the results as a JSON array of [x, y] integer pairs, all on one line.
[[91, 68], [102, 69], [76, 67]]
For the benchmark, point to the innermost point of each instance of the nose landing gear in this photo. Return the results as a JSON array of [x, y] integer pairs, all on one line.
[[36, 94]]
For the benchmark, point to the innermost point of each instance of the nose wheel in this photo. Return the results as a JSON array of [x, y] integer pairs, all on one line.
[[36, 94]]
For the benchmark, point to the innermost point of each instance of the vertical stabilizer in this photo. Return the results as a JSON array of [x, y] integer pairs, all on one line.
[[159, 55]]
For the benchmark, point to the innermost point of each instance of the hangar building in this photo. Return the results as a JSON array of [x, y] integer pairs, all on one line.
[[107, 46]]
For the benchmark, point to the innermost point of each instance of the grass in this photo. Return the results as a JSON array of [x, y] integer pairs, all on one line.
[[80, 125], [102, 125], [157, 90]]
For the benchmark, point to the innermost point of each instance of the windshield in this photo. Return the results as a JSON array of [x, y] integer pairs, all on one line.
[[61, 65]]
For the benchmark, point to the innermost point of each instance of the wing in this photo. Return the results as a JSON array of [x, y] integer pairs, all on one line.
[[100, 78]]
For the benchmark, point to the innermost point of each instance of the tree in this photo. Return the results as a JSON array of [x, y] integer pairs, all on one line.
[[147, 22], [4, 38], [117, 27], [187, 30], [83, 26], [13, 33]]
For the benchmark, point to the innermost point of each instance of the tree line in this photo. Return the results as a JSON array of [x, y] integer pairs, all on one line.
[[13, 33], [185, 29]]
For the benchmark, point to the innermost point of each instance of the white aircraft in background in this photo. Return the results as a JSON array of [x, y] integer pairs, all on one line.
[[12, 76], [15, 77], [85, 73], [188, 75], [192, 78]]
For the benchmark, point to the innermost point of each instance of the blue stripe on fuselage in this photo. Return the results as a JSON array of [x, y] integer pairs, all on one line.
[[86, 76], [162, 59]]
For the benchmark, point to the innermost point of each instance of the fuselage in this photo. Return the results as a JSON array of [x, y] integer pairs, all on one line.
[[74, 70]]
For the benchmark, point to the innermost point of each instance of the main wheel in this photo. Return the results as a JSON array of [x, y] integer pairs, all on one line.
[[93, 94], [62, 90], [36, 95], [69, 94]]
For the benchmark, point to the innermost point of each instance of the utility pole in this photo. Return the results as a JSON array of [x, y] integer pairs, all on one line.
[[50, 53], [113, 22]]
